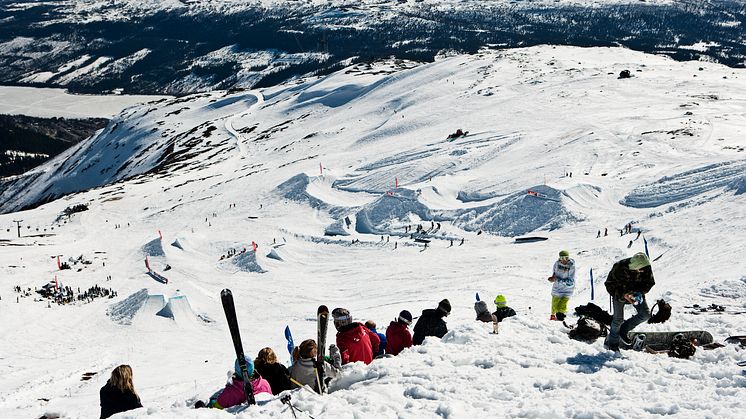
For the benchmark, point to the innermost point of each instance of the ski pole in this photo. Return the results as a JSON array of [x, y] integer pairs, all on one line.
[[286, 400]]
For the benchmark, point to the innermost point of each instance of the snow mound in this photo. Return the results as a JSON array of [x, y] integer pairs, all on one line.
[[518, 213], [246, 262], [154, 248], [734, 289], [124, 311], [387, 212], [689, 184], [338, 228], [294, 189], [274, 255]]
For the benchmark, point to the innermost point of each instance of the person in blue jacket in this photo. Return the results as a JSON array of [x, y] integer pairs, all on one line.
[[371, 325]]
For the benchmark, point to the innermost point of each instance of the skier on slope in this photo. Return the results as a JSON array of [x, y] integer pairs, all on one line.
[[628, 282], [355, 341], [503, 311], [276, 374], [431, 322], [233, 393], [563, 280], [371, 325], [397, 334]]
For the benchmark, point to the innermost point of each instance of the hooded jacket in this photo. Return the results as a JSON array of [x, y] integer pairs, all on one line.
[[398, 337], [622, 280], [430, 323], [357, 343], [564, 282], [233, 394]]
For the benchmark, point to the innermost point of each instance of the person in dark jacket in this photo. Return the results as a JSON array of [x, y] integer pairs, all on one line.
[[431, 322], [275, 373], [503, 311], [371, 325], [397, 334], [355, 341], [628, 282], [119, 395]]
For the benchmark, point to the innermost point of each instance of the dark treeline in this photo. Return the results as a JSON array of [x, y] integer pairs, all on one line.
[[177, 39], [26, 142]]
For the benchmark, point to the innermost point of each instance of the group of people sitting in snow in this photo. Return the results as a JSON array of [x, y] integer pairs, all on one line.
[[628, 282]]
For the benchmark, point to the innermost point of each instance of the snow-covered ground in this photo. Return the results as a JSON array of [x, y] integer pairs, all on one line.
[[50, 103], [663, 150]]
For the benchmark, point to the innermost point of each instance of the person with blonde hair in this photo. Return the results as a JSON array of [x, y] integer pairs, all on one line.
[[275, 373], [119, 395]]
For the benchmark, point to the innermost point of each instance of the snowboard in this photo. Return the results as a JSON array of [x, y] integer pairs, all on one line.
[[740, 340], [226, 297], [322, 316], [660, 341]]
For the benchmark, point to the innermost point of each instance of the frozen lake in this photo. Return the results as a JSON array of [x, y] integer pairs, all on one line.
[[48, 103]]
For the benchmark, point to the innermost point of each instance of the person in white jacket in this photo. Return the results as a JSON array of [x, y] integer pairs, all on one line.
[[563, 280]]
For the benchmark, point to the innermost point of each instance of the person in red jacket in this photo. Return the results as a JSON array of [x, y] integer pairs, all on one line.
[[398, 335], [355, 341]]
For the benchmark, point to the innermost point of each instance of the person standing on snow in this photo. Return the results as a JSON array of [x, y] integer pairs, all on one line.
[[431, 322], [119, 395], [371, 325], [563, 280], [397, 334], [628, 282], [355, 341]]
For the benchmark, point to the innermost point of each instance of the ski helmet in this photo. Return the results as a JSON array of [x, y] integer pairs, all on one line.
[[501, 301], [564, 254], [341, 317], [249, 367], [405, 317]]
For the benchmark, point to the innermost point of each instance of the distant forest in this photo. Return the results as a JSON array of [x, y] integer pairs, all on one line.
[[26, 142]]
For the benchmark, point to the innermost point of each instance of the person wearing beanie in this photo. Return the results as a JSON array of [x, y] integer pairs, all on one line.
[[628, 282], [233, 394], [371, 325], [431, 322], [398, 336], [355, 341], [503, 311], [563, 285]]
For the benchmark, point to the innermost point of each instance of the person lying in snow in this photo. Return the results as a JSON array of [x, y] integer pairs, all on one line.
[[503, 311], [431, 322], [303, 372], [371, 325], [233, 394], [276, 374], [119, 395], [355, 341], [398, 336]]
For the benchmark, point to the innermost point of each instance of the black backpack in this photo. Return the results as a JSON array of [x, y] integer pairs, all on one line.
[[587, 330], [663, 313], [594, 312]]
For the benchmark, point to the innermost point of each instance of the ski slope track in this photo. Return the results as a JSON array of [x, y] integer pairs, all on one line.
[[325, 175]]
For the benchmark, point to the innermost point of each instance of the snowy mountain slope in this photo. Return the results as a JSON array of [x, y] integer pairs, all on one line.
[[298, 158]]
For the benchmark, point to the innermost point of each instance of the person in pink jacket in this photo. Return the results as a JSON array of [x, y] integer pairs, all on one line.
[[232, 394]]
